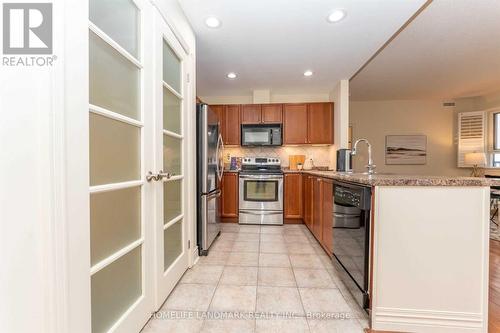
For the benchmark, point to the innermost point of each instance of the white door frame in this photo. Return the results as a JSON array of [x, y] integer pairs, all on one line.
[[70, 306]]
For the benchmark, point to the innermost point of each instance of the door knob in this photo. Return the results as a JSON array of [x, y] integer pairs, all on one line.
[[157, 176]]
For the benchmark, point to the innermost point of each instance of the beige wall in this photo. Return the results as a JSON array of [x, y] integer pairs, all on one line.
[[374, 120], [490, 101]]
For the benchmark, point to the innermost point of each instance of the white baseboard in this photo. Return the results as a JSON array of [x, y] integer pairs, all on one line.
[[194, 256], [427, 321]]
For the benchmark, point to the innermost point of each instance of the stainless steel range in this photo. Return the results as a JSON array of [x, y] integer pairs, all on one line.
[[261, 191]]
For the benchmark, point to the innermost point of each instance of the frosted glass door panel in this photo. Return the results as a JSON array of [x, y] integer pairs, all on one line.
[[172, 155], [115, 221], [114, 289], [172, 200], [114, 151], [172, 244], [171, 68], [171, 112], [119, 19], [114, 80]]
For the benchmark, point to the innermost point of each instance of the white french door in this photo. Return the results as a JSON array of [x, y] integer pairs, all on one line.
[[120, 123], [170, 125], [137, 128]]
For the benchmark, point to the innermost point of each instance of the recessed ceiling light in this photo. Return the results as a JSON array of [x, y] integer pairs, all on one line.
[[231, 75], [212, 22], [308, 73], [336, 16]]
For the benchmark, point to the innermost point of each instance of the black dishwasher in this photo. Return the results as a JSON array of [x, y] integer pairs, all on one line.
[[351, 237]]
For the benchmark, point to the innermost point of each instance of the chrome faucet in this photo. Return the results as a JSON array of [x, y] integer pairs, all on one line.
[[371, 167]]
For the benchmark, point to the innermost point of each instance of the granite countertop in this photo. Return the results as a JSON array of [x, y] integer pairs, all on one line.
[[395, 180], [400, 180]]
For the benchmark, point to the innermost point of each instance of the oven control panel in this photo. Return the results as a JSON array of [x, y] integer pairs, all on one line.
[[261, 161]]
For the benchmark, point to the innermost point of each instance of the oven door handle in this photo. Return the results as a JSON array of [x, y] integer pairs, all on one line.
[[260, 212], [261, 177]]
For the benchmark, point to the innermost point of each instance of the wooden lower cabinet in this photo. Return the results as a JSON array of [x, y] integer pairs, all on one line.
[[317, 227], [318, 209], [229, 195], [292, 197], [307, 199], [326, 215]]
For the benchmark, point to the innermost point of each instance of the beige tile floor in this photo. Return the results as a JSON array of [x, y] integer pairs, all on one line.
[[260, 279]]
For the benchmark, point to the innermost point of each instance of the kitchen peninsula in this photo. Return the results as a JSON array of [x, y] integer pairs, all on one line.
[[428, 253]]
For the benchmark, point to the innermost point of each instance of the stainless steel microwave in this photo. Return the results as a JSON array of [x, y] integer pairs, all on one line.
[[261, 135]]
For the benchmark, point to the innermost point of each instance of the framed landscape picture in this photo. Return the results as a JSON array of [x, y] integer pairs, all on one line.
[[405, 149]]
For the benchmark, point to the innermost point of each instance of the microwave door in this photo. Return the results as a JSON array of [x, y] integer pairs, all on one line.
[[256, 137]]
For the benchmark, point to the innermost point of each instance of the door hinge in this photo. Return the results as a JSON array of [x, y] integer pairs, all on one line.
[[188, 79], [189, 244]]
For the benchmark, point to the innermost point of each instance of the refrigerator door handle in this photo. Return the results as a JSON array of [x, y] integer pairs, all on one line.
[[220, 162], [214, 195], [222, 156]]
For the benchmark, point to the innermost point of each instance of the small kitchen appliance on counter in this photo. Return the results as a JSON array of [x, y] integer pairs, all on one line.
[[308, 164], [344, 160], [261, 191]]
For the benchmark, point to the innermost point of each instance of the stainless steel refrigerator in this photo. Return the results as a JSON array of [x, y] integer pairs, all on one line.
[[210, 167]]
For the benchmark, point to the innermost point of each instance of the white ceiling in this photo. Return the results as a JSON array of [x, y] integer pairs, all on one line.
[[270, 43], [452, 49]]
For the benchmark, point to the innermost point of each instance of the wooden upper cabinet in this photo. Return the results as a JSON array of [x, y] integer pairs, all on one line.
[[295, 123], [261, 114], [327, 218], [251, 114], [272, 113], [320, 124], [293, 196], [219, 111], [229, 196], [231, 131]]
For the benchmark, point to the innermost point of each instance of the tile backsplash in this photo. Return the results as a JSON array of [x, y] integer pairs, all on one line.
[[321, 155]]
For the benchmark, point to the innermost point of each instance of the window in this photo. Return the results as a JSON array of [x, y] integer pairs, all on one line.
[[496, 131], [495, 161], [495, 156]]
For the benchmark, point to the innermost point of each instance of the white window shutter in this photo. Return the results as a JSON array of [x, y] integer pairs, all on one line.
[[471, 134]]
